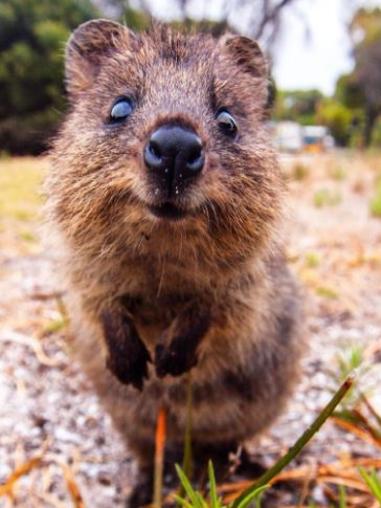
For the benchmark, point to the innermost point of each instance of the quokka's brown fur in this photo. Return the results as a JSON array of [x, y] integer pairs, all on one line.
[[215, 281]]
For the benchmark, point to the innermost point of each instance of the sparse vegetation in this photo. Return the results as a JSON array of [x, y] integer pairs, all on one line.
[[375, 203], [300, 171], [253, 492], [326, 292], [312, 259], [337, 172], [326, 197], [20, 188], [21, 199]]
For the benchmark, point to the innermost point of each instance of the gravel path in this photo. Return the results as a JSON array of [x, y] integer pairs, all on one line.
[[47, 407]]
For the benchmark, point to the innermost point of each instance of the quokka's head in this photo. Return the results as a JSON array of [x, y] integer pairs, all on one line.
[[167, 128]]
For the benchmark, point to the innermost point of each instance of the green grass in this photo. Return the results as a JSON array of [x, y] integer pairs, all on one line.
[[194, 499]]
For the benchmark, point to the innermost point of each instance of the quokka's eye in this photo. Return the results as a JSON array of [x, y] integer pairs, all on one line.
[[226, 123], [121, 109]]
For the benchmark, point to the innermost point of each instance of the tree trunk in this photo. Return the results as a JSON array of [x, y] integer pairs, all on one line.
[[370, 120]]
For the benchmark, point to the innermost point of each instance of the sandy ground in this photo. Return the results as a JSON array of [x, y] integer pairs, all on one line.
[[47, 408]]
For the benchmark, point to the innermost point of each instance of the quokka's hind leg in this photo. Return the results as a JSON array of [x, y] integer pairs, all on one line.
[[229, 459], [142, 492], [219, 453]]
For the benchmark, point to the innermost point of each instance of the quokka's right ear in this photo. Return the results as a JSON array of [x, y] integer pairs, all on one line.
[[87, 48]]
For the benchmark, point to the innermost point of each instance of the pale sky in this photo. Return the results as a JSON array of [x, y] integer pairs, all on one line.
[[313, 48], [316, 60]]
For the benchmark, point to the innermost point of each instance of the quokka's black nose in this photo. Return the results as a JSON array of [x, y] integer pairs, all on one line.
[[174, 152]]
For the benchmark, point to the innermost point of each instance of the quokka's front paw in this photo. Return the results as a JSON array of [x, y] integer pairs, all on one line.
[[127, 354], [177, 351], [174, 360]]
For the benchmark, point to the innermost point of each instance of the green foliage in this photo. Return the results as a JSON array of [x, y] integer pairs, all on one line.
[[372, 481], [297, 105], [194, 499], [337, 117], [353, 113], [32, 38]]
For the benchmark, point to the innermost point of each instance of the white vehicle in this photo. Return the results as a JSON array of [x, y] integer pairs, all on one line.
[[288, 136]]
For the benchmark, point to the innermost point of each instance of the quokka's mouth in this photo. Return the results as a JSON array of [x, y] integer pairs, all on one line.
[[167, 211]]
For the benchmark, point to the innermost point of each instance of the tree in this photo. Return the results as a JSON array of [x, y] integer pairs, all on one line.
[[338, 118], [32, 38], [298, 105], [364, 84]]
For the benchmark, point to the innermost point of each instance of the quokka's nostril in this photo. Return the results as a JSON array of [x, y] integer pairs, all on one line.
[[195, 159], [194, 155], [154, 149]]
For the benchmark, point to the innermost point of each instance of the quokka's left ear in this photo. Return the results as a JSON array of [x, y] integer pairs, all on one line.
[[246, 53]]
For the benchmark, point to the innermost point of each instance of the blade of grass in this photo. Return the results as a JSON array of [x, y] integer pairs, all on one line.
[[182, 502], [300, 443], [255, 495], [373, 482], [342, 497], [214, 502], [189, 490]]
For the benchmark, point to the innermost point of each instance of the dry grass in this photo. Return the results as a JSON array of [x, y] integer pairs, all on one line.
[[20, 202]]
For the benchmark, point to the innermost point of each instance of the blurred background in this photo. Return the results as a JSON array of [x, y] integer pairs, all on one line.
[[326, 62], [57, 446]]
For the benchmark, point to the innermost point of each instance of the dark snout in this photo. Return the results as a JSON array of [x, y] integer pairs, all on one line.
[[174, 155]]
